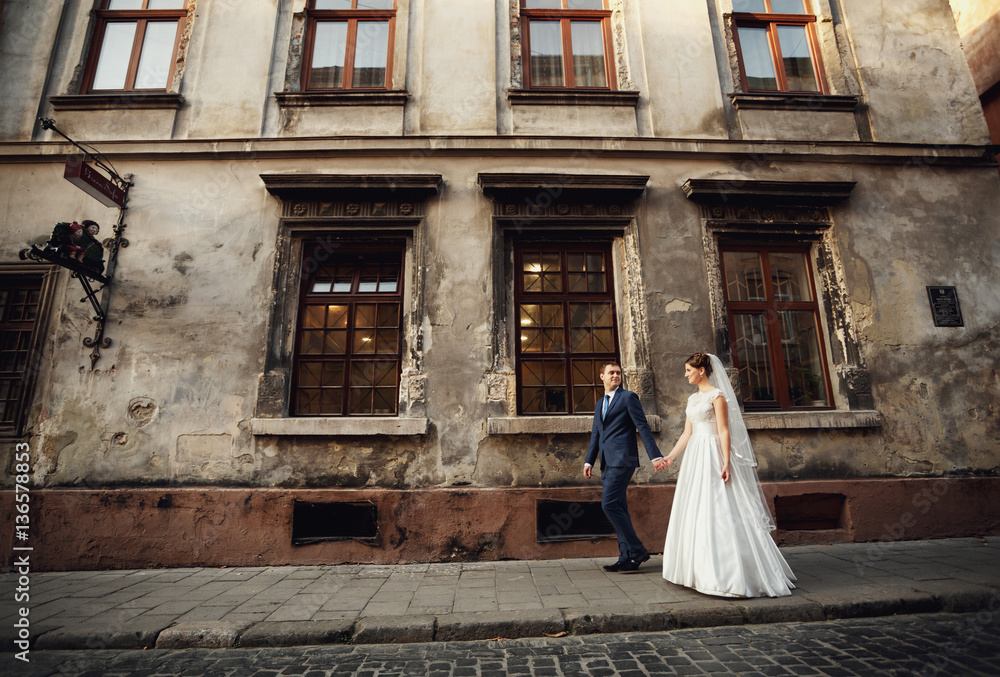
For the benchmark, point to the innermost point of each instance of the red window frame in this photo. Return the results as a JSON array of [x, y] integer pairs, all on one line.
[[772, 307], [142, 17], [351, 17], [565, 17], [318, 262], [770, 22], [564, 358]]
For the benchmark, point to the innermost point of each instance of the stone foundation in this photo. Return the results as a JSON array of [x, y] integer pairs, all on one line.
[[207, 526]]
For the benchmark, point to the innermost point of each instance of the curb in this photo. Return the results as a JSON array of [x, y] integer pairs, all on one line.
[[934, 596]]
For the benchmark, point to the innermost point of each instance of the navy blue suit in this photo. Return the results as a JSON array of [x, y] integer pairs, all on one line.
[[613, 439]]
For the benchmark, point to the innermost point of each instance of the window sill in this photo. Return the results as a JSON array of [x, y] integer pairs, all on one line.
[[118, 100], [341, 98], [572, 97], [788, 420], [331, 426], [549, 425], [787, 101]]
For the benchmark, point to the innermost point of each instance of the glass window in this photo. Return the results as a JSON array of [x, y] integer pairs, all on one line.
[[348, 44], [135, 45], [774, 328], [20, 297], [348, 347], [566, 326], [776, 46], [566, 43]]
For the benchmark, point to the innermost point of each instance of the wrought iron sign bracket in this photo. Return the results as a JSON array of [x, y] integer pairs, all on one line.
[[111, 192]]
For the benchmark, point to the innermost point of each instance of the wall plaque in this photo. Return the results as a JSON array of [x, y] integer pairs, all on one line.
[[944, 307]]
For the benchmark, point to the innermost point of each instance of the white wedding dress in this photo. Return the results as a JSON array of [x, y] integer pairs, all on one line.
[[715, 544]]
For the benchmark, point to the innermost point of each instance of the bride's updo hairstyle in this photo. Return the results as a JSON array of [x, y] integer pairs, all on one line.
[[700, 361]]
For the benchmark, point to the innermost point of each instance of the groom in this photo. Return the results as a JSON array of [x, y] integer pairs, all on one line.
[[617, 417]]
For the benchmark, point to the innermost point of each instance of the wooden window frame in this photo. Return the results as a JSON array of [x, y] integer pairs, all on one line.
[[565, 17], [142, 17], [26, 376], [565, 298], [770, 22], [351, 17], [770, 307], [350, 299]]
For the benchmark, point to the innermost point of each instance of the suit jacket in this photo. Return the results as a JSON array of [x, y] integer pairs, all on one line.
[[614, 437]]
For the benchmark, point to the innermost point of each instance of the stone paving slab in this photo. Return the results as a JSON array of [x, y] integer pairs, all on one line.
[[305, 605]]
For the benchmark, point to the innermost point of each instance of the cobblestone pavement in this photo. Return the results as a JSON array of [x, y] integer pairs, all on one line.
[[924, 645]]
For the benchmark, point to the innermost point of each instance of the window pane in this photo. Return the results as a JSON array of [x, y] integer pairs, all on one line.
[[800, 76], [332, 4], [157, 50], [543, 4], [803, 366], [542, 272], [116, 53], [124, 4], [374, 4], [315, 317], [744, 276], [545, 387], [331, 401], [546, 54], [789, 276], [310, 374], [165, 4], [756, 372], [586, 385], [370, 54], [787, 7], [585, 4], [329, 50], [749, 6], [756, 56], [588, 54], [335, 342]]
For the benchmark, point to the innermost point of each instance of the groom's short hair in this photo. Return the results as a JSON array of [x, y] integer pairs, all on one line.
[[606, 365]]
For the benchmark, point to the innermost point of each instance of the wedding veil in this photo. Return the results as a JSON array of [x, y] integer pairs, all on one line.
[[742, 462]]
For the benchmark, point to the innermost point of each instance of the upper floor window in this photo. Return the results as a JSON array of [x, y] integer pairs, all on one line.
[[776, 43], [566, 326], [347, 358], [135, 45], [567, 43], [774, 327], [348, 44]]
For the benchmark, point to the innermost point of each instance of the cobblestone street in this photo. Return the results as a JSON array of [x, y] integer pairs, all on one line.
[[925, 645]]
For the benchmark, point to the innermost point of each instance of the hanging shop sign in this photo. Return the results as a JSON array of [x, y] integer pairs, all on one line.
[[92, 182]]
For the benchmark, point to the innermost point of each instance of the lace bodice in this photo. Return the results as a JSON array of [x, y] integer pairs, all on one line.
[[701, 410]]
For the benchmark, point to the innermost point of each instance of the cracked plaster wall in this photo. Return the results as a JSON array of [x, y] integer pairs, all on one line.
[[171, 399]]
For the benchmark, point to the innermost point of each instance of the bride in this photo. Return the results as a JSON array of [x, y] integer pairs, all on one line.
[[718, 538]]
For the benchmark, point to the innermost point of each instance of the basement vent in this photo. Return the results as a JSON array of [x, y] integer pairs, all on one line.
[[318, 522], [570, 521], [810, 512]]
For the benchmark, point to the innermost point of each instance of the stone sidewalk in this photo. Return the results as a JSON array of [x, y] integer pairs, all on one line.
[[365, 604]]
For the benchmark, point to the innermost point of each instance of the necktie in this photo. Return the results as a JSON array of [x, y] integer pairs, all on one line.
[[607, 400]]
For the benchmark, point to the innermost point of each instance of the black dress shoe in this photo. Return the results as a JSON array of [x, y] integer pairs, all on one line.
[[632, 563], [614, 567]]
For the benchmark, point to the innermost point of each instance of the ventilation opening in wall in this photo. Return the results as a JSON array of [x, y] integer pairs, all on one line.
[[570, 521], [318, 522], [810, 512]]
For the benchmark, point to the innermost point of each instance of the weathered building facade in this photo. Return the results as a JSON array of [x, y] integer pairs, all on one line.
[[377, 250]]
